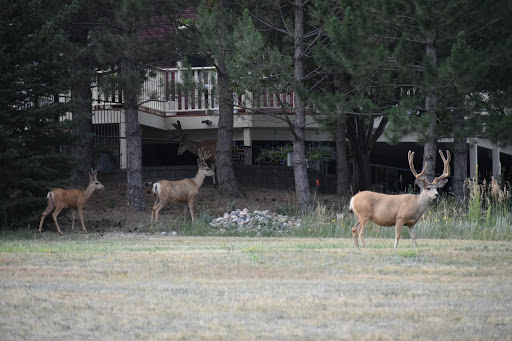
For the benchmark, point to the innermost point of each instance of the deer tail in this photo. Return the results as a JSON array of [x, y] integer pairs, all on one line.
[[351, 206], [156, 188], [50, 196]]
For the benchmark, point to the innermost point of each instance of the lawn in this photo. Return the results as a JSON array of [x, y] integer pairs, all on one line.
[[136, 286]]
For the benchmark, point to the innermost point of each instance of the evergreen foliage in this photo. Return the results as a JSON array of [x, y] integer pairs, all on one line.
[[34, 70], [460, 33], [132, 38]]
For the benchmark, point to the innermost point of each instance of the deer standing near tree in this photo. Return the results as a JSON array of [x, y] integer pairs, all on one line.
[[193, 147], [184, 191], [397, 210], [59, 198]]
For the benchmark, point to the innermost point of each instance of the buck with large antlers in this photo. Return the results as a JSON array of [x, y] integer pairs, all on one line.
[[397, 210], [184, 191], [59, 198], [193, 147]]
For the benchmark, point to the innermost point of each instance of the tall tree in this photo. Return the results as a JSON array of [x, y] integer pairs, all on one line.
[[33, 138], [446, 78], [299, 142], [215, 26], [462, 74], [362, 73], [83, 70], [132, 38], [275, 61]]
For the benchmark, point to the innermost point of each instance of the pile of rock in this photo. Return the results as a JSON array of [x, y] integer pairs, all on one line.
[[258, 221]]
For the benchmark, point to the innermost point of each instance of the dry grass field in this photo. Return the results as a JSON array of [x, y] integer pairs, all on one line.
[[120, 286]]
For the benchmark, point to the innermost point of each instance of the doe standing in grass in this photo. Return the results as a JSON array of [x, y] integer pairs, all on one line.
[[397, 210], [59, 198]]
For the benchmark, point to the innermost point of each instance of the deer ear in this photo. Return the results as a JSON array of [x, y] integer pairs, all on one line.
[[420, 183], [441, 183]]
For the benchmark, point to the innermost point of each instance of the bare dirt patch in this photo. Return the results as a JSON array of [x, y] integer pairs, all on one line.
[[106, 209]]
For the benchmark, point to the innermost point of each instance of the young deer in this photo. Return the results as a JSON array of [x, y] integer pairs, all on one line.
[[397, 210], [183, 190], [59, 198], [194, 147]]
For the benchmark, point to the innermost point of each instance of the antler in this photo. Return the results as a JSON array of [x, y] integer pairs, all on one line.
[[178, 129], [203, 154], [446, 171], [93, 174], [411, 165]]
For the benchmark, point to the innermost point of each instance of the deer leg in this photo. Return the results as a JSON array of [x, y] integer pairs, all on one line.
[[398, 232], [214, 177], [54, 215], [49, 208], [157, 209], [354, 232], [153, 210], [361, 232], [413, 235], [81, 214], [73, 221], [191, 203]]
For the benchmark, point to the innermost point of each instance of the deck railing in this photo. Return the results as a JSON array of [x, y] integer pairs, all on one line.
[[172, 91]]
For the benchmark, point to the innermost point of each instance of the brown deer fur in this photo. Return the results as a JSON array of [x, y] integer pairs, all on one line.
[[59, 199], [184, 191], [185, 144], [397, 210]]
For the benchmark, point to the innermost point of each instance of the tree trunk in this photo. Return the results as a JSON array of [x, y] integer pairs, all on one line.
[[82, 128], [430, 148], [134, 191], [228, 184], [460, 171], [81, 95], [360, 161], [302, 188], [356, 133], [362, 138], [342, 170]]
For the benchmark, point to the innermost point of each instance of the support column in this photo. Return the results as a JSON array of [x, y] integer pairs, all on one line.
[[473, 160], [122, 143], [248, 146], [496, 164]]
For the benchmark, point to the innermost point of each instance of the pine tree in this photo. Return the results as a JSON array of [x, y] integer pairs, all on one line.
[[33, 139], [362, 74], [271, 55], [428, 32], [86, 16], [215, 26], [131, 39], [462, 73], [447, 42]]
